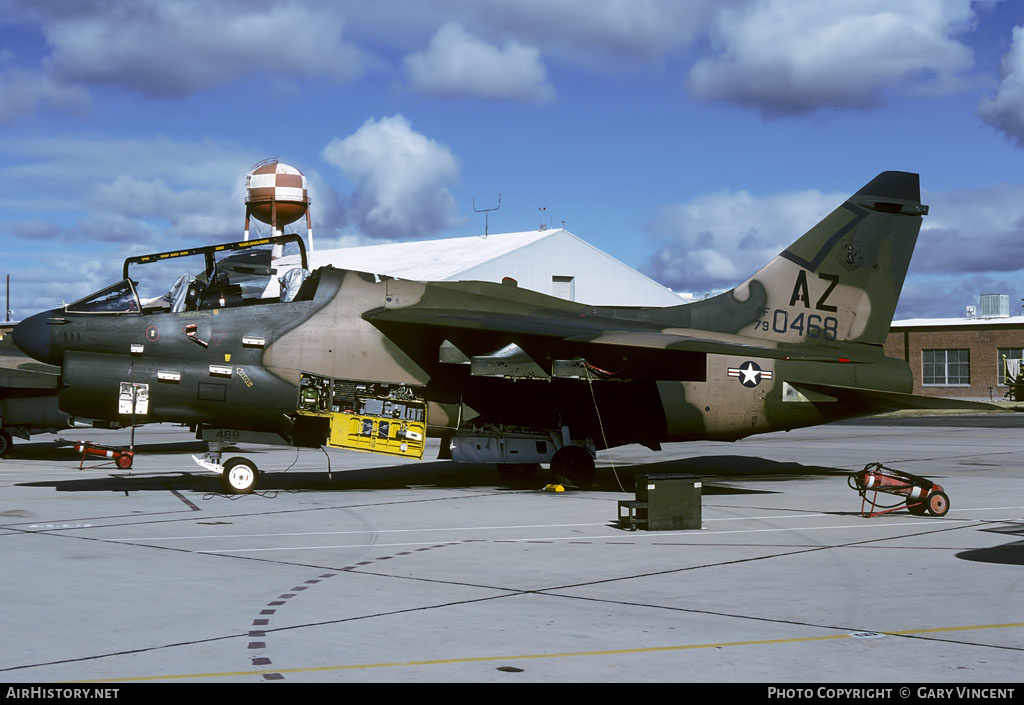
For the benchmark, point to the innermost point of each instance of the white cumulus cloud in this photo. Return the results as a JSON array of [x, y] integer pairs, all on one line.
[[175, 47], [717, 240], [401, 179], [787, 57], [590, 34], [972, 242], [127, 190], [1005, 111], [459, 64], [972, 231], [21, 92]]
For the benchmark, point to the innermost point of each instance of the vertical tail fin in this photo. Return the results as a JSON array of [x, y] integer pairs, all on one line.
[[839, 282]]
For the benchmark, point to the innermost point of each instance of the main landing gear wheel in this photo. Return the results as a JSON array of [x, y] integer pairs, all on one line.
[[575, 464], [239, 476], [938, 504], [5, 444]]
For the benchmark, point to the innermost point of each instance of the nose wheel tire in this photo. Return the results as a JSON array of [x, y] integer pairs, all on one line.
[[239, 476], [5, 444]]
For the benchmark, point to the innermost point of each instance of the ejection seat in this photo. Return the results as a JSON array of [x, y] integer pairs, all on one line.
[[291, 282], [180, 292]]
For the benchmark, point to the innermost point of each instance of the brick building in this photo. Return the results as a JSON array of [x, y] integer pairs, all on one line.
[[958, 357]]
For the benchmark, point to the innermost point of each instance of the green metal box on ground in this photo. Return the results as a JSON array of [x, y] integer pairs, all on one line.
[[664, 502]]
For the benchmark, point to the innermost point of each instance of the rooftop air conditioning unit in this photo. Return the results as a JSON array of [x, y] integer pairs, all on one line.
[[995, 305]]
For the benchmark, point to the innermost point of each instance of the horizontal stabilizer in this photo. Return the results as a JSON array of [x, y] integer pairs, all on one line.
[[893, 401]]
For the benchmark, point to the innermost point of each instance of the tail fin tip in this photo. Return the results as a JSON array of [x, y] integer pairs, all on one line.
[[903, 185]]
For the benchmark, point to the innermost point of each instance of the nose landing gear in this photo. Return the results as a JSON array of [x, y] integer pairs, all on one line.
[[237, 475]]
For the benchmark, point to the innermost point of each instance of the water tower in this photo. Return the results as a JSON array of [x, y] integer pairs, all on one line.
[[276, 194]]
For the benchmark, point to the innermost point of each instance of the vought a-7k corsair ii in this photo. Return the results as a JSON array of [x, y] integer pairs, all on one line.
[[252, 347]]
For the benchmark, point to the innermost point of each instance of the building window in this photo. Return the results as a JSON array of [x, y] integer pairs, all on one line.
[[946, 368], [1009, 354]]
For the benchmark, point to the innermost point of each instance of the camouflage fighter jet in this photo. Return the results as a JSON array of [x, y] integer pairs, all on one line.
[[503, 375]]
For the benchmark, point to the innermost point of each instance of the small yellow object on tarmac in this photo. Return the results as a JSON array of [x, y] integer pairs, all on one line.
[[554, 488]]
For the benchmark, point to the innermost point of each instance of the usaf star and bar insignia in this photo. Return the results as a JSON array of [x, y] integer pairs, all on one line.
[[750, 373]]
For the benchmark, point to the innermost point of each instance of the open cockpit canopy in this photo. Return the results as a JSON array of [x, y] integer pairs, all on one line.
[[267, 270]]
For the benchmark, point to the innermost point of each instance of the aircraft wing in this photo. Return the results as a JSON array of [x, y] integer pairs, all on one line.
[[577, 333], [603, 341], [18, 377], [892, 401], [550, 322]]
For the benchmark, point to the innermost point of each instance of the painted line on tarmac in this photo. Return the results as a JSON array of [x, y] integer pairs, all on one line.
[[635, 537], [261, 625], [189, 503], [77, 498], [566, 654], [356, 531], [493, 528], [985, 509]]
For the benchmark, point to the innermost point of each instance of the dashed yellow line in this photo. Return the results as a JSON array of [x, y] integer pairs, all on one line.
[[522, 657]]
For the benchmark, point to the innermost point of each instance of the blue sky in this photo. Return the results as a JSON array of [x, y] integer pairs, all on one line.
[[692, 140]]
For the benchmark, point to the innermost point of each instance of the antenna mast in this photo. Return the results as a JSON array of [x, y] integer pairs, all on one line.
[[486, 212]]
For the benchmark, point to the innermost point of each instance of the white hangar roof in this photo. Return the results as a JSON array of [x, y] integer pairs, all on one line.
[[549, 261], [950, 322]]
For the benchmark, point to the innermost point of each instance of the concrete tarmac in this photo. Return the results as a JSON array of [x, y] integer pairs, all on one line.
[[406, 571]]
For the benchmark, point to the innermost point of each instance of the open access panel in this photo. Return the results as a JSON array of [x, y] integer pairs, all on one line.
[[377, 417]]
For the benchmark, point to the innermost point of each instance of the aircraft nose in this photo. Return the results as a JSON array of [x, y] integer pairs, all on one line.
[[33, 337]]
